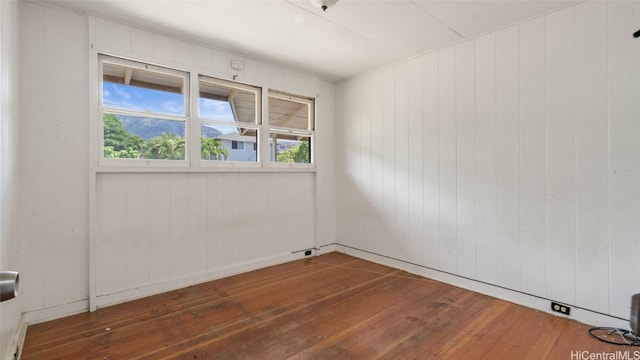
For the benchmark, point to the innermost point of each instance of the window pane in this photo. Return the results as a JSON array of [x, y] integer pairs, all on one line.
[[285, 148], [230, 143], [140, 90], [290, 113], [134, 137], [216, 110], [220, 102]]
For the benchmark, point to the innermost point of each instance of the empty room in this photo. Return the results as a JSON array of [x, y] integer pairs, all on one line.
[[319, 179]]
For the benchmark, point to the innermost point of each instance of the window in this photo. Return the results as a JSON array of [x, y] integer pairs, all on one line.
[[144, 111], [291, 128], [148, 118], [237, 145], [230, 117]]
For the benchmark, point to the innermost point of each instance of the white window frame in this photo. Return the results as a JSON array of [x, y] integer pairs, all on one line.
[[193, 122], [102, 161], [309, 132], [257, 125]]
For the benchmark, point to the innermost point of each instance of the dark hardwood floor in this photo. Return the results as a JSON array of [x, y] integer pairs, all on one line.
[[329, 307]]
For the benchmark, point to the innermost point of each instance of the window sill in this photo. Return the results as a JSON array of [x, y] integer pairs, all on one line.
[[204, 169]]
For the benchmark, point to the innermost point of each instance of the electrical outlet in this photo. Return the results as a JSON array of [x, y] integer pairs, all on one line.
[[562, 309], [307, 253]]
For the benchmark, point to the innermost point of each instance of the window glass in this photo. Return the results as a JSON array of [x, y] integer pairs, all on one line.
[[287, 148], [223, 101], [143, 111], [228, 143], [134, 137], [130, 88], [291, 125], [287, 111], [147, 114], [216, 110]]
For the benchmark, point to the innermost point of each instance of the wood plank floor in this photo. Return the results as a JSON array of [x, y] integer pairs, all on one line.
[[329, 307]]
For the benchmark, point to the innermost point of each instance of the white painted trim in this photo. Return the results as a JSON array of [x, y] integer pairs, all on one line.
[[56, 312], [18, 340], [325, 249], [316, 211], [237, 167], [182, 282], [537, 303], [93, 163]]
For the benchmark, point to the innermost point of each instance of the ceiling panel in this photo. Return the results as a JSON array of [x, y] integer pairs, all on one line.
[[470, 18], [350, 38], [400, 27]]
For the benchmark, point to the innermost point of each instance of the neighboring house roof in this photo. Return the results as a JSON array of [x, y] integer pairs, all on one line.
[[237, 137]]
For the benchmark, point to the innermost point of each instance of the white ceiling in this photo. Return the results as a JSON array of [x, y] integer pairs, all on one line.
[[350, 38]]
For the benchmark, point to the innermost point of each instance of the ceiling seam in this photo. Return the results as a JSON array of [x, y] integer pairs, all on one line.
[[412, 2]]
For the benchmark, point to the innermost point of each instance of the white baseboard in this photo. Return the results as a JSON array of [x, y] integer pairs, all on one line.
[[56, 312], [581, 315], [325, 249], [179, 283], [18, 340]]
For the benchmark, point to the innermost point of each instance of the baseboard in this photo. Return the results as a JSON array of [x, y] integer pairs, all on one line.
[[179, 283], [55, 312], [18, 340], [59, 311], [327, 248], [584, 316]]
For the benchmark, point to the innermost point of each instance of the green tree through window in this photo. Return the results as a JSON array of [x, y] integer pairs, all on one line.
[[167, 147], [295, 154], [118, 142], [213, 149]]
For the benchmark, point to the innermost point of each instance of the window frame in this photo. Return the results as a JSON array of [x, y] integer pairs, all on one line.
[[257, 125], [193, 122], [102, 109], [291, 131]]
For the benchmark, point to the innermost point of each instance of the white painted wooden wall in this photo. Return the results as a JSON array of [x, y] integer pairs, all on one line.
[[10, 310], [177, 229], [53, 110], [512, 159], [151, 231], [161, 231], [127, 41]]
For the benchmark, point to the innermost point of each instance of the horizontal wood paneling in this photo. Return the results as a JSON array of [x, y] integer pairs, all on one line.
[[528, 178]]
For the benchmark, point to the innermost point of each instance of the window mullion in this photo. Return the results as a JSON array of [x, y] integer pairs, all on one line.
[[265, 150], [143, 114], [194, 146]]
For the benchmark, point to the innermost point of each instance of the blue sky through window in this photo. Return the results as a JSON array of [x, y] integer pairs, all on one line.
[[216, 110], [135, 98], [142, 99], [150, 100]]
